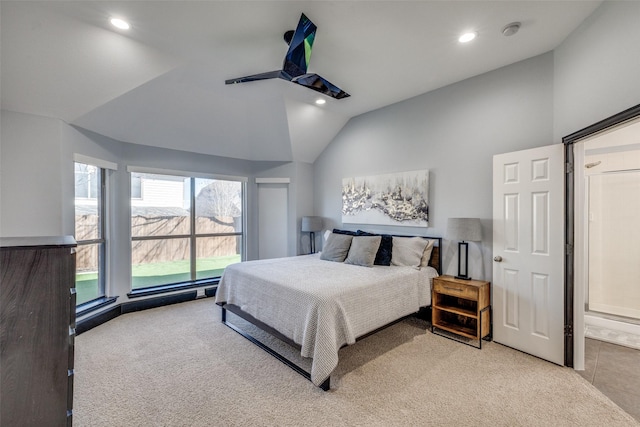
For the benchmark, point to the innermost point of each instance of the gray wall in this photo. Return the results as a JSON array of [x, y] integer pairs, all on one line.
[[597, 68], [454, 132], [37, 185]]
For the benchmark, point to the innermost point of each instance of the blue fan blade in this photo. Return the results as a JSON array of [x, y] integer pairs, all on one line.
[[262, 76], [319, 84], [298, 56]]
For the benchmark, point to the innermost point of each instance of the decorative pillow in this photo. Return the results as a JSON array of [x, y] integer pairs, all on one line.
[[336, 248], [383, 257], [426, 255], [363, 250], [408, 251]]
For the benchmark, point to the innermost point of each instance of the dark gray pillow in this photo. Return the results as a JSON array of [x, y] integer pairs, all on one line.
[[336, 247], [363, 250]]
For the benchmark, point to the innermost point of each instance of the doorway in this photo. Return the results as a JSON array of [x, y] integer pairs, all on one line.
[[603, 210], [610, 177]]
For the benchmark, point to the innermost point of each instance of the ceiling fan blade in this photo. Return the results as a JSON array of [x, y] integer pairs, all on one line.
[[262, 76], [298, 56], [319, 84], [296, 62]]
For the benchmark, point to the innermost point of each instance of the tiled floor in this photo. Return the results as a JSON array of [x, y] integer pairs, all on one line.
[[615, 371]]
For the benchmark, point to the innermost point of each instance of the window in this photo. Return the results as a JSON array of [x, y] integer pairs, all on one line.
[[136, 186], [89, 232], [183, 228]]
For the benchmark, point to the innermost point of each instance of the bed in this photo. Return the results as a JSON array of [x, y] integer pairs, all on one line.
[[319, 305]]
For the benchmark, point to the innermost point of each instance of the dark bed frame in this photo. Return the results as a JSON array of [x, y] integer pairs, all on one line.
[[435, 262]]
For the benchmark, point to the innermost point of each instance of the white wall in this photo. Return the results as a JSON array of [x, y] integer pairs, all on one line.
[[454, 132], [300, 197], [31, 191], [597, 68], [37, 184]]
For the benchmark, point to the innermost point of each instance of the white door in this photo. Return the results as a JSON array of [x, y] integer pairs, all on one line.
[[528, 250], [273, 200]]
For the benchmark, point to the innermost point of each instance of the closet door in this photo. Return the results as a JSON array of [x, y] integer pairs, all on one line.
[[273, 208]]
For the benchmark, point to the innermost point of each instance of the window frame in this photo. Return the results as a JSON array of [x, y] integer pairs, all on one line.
[[101, 241], [193, 235]]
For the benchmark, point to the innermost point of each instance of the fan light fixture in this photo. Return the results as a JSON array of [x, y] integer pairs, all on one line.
[[296, 62], [510, 29], [467, 37], [119, 23]]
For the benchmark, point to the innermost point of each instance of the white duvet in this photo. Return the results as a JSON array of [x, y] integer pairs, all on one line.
[[322, 305]]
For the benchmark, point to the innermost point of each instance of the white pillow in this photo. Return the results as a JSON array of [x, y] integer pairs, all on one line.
[[408, 251], [426, 255]]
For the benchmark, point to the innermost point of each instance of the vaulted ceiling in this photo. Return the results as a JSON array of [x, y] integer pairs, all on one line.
[[161, 83]]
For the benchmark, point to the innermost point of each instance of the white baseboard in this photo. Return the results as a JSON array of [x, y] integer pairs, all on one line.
[[612, 331]]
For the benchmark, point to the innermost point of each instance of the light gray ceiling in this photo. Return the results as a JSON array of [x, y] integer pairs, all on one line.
[[161, 83]]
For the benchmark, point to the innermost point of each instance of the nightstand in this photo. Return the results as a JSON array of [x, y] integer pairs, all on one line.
[[461, 307]]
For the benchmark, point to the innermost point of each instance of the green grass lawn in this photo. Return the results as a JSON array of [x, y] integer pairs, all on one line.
[[161, 273]]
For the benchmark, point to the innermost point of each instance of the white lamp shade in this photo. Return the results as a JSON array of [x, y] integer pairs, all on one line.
[[468, 229], [311, 223]]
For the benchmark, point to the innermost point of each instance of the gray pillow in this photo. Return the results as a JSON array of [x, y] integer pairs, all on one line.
[[336, 247], [363, 250], [408, 251]]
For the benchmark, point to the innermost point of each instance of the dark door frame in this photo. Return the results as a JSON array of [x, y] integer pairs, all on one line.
[[569, 222]]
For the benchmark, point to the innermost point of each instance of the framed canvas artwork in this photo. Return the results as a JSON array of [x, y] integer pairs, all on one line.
[[390, 199]]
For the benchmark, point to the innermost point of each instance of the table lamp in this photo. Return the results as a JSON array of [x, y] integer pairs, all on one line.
[[464, 229], [311, 224]]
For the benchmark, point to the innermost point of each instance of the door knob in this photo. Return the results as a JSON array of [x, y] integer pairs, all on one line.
[[497, 258]]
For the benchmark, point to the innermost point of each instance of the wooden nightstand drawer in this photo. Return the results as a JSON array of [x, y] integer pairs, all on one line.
[[450, 287]]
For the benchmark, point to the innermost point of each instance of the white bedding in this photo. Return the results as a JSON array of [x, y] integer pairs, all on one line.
[[322, 305]]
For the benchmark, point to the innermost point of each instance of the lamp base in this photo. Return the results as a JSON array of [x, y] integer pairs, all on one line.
[[463, 271], [312, 242]]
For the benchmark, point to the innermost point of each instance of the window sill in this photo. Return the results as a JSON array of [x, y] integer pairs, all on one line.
[[94, 305], [162, 289]]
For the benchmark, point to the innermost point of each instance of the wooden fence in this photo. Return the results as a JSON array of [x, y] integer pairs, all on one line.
[[162, 250]]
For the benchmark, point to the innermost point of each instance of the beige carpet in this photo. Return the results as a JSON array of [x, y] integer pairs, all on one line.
[[179, 366]]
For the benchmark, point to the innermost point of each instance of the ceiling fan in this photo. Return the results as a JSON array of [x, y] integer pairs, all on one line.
[[296, 61]]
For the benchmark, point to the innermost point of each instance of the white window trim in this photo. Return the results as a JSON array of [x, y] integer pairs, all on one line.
[[104, 164], [186, 174], [273, 180]]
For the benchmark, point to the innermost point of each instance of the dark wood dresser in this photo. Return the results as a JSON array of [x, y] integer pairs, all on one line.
[[37, 330]]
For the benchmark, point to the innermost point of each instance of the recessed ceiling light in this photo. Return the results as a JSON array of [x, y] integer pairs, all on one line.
[[119, 23], [320, 101], [467, 37]]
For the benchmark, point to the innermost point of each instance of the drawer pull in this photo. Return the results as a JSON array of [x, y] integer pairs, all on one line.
[[452, 288]]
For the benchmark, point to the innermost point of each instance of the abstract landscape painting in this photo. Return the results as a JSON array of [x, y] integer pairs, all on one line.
[[391, 199]]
